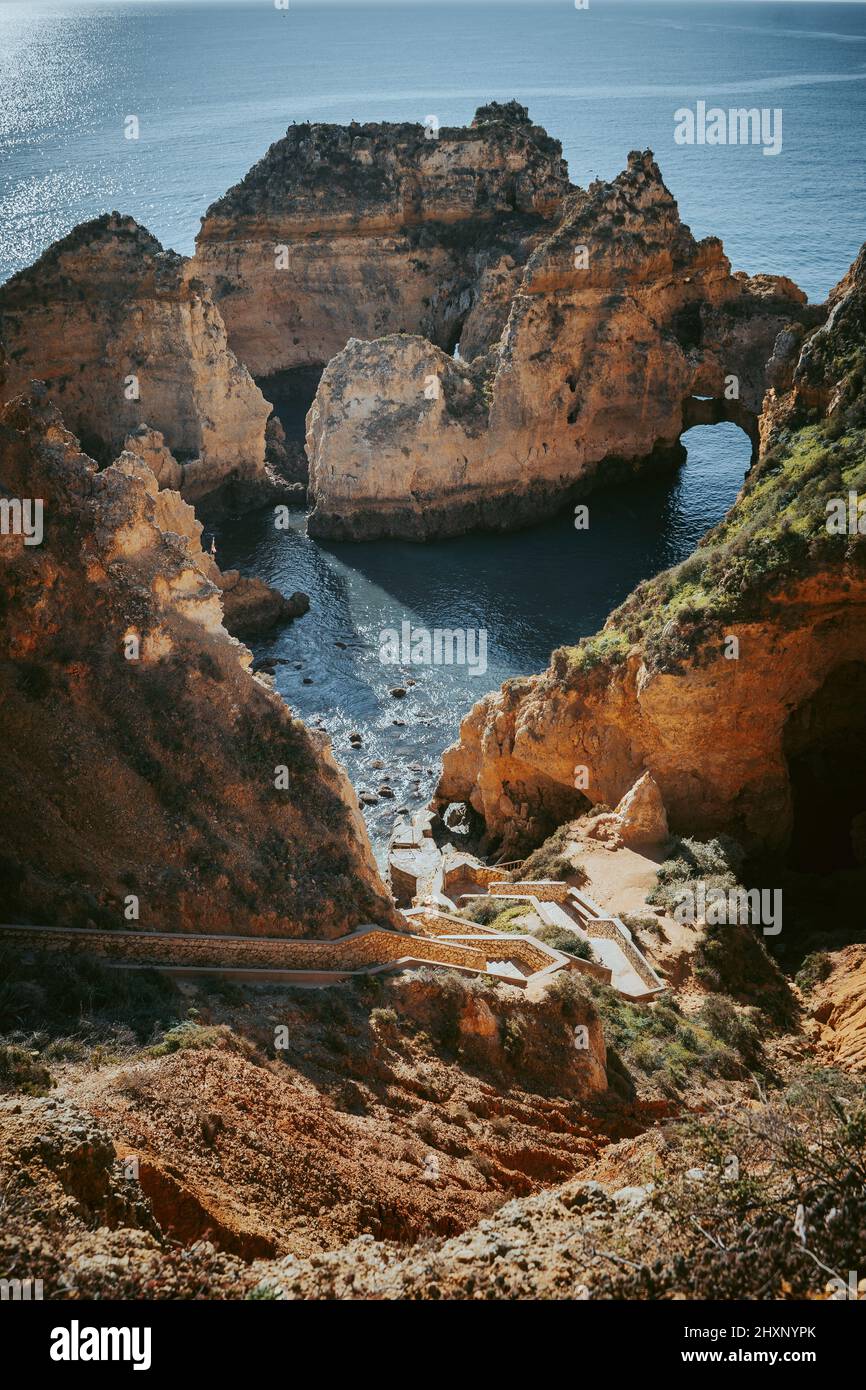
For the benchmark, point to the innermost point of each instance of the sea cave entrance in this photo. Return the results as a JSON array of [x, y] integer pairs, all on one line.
[[291, 393], [825, 746]]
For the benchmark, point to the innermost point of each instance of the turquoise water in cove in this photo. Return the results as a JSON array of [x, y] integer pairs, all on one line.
[[213, 84]]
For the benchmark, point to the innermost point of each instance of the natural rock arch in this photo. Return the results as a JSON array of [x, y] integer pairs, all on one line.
[[715, 410]]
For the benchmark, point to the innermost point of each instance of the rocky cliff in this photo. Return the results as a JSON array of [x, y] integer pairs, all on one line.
[[250, 606], [623, 331], [123, 334], [365, 230], [737, 679], [150, 777]]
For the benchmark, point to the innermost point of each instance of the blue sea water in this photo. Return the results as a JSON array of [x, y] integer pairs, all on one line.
[[213, 84], [529, 592]]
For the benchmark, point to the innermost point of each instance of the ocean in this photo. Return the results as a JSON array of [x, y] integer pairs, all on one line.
[[213, 84]]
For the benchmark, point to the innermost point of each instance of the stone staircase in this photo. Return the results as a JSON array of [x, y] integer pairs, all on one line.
[[439, 881], [434, 935]]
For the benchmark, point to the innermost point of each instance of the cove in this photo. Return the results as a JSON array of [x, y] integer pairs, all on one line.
[[530, 591]]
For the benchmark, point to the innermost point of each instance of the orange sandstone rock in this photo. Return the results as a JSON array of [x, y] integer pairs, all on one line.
[[620, 323], [122, 333]]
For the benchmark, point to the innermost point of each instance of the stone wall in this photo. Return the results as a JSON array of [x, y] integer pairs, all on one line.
[[523, 950], [482, 874], [365, 947], [612, 929], [435, 923]]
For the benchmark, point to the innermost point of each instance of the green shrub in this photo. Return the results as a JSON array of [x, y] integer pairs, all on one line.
[[732, 959], [551, 860], [716, 863], [561, 939], [385, 1022], [189, 1034], [732, 1026], [800, 1168], [22, 1072], [642, 922], [77, 996], [482, 911], [489, 912], [815, 968], [657, 1039]]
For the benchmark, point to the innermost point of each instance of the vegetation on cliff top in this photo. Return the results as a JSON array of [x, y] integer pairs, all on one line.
[[776, 533], [773, 536]]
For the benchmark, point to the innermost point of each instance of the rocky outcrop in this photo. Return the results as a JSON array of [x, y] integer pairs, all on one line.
[[151, 779], [639, 820], [621, 324], [428, 1104], [250, 606], [822, 376], [124, 335], [150, 446], [365, 230], [736, 680], [838, 1007], [363, 482]]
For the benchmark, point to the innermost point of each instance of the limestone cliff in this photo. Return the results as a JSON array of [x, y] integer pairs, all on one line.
[[738, 679], [123, 334], [827, 377], [365, 230], [250, 606], [623, 331], [150, 778]]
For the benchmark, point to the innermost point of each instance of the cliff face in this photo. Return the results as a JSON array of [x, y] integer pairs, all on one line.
[[250, 607], [142, 755], [826, 374], [713, 735], [746, 736], [385, 230], [123, 334], [621, 321]]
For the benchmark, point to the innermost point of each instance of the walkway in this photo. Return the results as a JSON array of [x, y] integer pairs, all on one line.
[[443, 881]]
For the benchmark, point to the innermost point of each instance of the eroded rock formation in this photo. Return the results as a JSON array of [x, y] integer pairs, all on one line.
[[150, 778], [839, 1009], [364, 230], [124, 335], [620, 325], [250, 606], [639, 820], [738, 679], [823, 375]]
